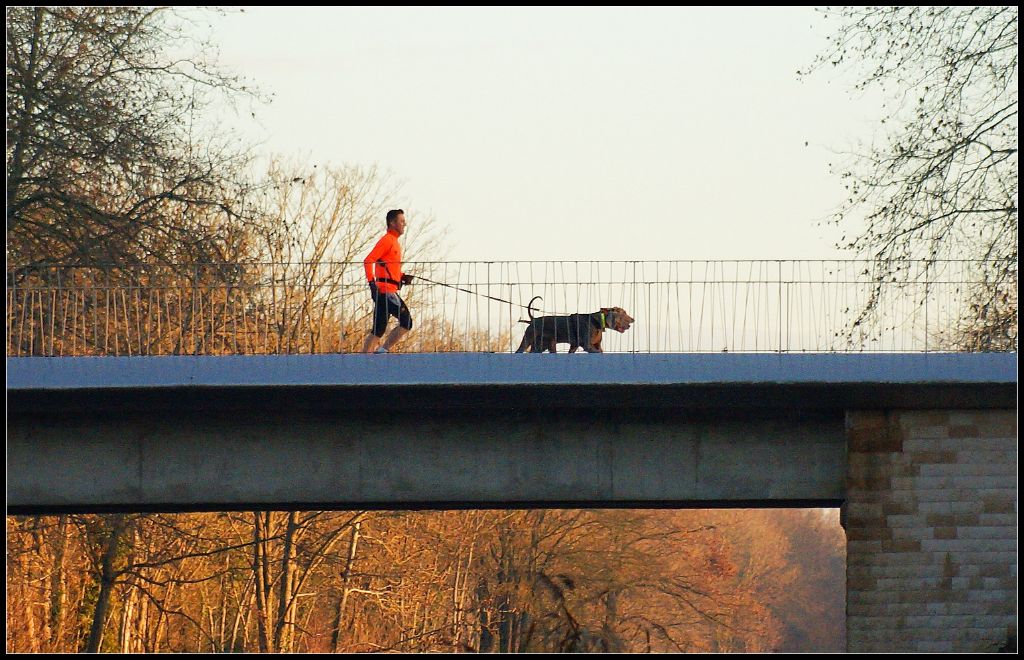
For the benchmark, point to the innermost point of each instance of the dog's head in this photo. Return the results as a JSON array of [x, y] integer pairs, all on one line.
[[617, 318]]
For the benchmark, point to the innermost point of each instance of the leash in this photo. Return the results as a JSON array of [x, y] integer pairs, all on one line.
[[530, 309]]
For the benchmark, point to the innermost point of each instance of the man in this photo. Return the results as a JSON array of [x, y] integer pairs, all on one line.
[[384, 273]]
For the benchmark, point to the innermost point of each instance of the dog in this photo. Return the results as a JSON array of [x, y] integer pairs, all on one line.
[[544, 332]]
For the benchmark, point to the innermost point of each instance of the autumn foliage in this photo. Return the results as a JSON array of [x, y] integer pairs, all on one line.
[[453, 581]]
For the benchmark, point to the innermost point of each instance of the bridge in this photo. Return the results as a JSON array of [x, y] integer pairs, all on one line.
[[451, 430], [759, 403]]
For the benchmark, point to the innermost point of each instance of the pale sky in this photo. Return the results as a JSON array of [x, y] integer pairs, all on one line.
[[567, 133]]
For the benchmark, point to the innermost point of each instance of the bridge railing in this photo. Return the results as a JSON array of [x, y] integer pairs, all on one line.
[[678, 306]]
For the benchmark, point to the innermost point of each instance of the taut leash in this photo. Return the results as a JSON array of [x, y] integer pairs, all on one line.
[[530, 309]]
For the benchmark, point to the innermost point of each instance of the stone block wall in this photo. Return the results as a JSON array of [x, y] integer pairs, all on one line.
[[931, 524]]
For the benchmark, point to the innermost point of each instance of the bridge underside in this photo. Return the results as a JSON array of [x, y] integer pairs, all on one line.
[[254, 459]]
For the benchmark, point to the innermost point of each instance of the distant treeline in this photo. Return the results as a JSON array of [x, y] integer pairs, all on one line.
[[516, 581]]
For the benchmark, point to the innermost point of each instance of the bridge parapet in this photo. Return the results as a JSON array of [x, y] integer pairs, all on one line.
[[679, 306]]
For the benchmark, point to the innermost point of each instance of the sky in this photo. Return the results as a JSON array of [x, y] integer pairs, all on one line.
[[567, 133]]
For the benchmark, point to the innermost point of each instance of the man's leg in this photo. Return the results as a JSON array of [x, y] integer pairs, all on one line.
[[404, 324], [396, 333], [380, 323], [370, 343]]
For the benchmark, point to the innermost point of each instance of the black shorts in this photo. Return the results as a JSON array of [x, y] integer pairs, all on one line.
[[391, 304]]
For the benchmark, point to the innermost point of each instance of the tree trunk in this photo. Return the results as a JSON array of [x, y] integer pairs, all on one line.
[[486, 638], [285, 598], [261, 570], [58, 595], [223, 606], [161, 618], [126, 625], [107, 577], [144, 639], [28, 601], [610, 624], [345, 577], [242, 619]]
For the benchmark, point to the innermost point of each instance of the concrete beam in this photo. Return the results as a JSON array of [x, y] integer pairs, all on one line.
[[188, 462]]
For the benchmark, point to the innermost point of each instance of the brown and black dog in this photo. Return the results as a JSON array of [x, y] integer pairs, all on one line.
[[544, 332]]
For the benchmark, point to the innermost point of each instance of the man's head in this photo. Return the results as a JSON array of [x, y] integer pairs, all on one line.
[[396, 220]]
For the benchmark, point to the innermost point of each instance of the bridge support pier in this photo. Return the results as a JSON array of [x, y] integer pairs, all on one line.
[[931, 523]]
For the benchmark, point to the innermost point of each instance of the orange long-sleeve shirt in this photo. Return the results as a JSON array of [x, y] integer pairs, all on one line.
[[386, 259]]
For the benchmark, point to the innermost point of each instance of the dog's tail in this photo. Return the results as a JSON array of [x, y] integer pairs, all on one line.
[[529, 310]]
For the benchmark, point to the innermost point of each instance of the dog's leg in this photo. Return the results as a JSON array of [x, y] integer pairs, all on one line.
[[540, 341], [527, 340]]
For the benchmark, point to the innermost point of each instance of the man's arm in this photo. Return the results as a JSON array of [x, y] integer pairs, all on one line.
[[376, 253]]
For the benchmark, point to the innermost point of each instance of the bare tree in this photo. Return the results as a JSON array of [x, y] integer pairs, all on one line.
[[105, 160], [942, 181], [556, 580], [316, 225]]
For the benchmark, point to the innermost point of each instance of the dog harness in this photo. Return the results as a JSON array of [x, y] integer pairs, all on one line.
[[386, 253]]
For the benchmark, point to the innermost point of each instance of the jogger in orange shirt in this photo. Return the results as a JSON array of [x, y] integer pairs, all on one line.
[[386, 259]]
